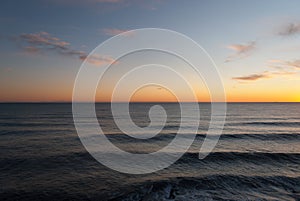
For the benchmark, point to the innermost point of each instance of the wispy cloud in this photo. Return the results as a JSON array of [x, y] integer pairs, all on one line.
[[264, 75], [98, 60], [44, 39], [294, 64], [289, 29], [275, 63], [113, 32], [35, 43], [41, 41], [252, 77], [241, 50]]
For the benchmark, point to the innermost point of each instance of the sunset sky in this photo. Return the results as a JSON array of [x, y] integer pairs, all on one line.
[[255, 44]]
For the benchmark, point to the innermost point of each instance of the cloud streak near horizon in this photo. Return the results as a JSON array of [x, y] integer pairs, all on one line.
[[263, 75], [252, 77], [284, 68]]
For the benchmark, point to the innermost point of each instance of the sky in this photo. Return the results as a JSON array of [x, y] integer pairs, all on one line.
[[254, 44]]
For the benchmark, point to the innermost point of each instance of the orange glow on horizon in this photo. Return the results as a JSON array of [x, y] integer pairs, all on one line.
[[156, 94]]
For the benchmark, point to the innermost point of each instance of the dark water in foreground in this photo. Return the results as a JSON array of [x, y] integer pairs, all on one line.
[[257, 157]]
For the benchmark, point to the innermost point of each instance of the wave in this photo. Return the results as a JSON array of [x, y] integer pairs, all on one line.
[[36, 124], [217, 187], [213, 186], [255, 157], [258, 158], [280, 136], [51, 131], [259, 123]]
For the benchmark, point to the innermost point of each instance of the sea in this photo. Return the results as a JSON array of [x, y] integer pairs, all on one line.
[[256, 158]]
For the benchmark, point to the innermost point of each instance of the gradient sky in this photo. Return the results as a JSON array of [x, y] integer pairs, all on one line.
[[255, 44]]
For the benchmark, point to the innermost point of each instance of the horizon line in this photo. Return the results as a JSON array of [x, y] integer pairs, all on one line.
[[107, 102]]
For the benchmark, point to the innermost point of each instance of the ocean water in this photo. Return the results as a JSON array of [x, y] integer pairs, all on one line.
[[256, 158]]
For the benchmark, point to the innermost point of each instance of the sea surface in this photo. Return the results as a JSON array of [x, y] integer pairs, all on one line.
[[256, 158]]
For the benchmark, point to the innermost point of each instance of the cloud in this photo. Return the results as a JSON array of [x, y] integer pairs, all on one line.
[[280, 73], [275, 63], [35, 43], [295, 64], [97, 60], [263, 75], [44, 40], [113, 32], [252, 77], [241, 50], [289, 29]]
